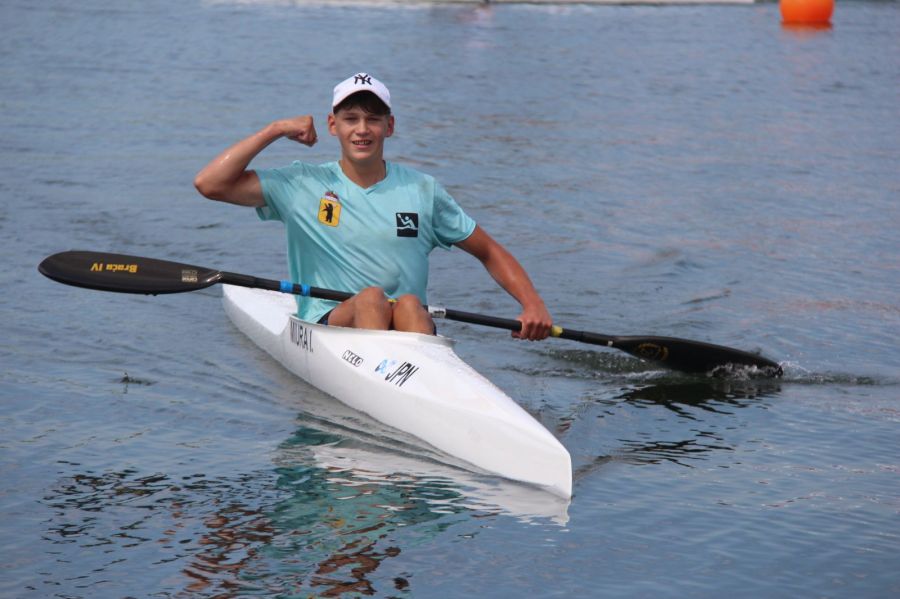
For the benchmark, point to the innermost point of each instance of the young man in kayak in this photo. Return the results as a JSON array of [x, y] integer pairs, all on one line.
[[362, 223]]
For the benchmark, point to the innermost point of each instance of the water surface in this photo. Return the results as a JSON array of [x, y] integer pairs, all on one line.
[[699, 172]]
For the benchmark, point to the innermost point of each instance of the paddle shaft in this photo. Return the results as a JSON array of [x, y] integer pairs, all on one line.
[[230, 278]]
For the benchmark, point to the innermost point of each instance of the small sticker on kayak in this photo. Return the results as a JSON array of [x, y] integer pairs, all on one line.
[[352, 358], [398, 375]]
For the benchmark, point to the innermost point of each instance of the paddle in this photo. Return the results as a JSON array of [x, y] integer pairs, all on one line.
[[133, 274]]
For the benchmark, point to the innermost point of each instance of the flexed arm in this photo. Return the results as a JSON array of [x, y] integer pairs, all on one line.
[[506, 270], [226, 177]]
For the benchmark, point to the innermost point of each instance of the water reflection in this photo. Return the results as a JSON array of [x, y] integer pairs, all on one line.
[[695, 401], [806, 31], [351, 504], [713, 395], [332, 529], [321, 522]]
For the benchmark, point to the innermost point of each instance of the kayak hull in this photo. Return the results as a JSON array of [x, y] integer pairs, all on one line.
[[412, 382]]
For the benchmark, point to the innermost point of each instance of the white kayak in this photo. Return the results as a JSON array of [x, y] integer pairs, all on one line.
[[412, 382]]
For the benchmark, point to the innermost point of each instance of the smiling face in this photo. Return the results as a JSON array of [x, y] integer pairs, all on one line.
[[361, 134]]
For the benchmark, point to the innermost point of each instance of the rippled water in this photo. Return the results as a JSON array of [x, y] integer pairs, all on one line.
[[700, 172]]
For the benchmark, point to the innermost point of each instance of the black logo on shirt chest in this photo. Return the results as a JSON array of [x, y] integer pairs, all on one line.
[[407, 224]]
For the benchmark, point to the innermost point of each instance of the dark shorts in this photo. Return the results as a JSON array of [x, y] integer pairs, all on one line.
[[324, 320]]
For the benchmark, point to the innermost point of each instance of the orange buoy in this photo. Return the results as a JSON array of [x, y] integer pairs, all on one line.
[[806, 12]]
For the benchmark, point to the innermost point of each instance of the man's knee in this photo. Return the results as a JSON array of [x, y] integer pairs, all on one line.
[[372, 296], [411, 315], [368, 309], [408, 302]]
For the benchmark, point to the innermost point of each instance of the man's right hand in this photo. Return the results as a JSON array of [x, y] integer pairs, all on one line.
[[300, 129]]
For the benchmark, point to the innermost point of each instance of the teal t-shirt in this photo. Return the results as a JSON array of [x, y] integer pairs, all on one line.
[[341, 236]]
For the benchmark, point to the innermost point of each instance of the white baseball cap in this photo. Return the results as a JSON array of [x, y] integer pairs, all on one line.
[[361, 82]]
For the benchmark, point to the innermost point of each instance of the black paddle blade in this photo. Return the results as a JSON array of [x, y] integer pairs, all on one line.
[[695, 356], [126, 274]]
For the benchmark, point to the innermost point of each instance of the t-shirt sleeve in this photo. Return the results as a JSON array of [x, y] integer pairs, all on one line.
[[277, 185], [451, 224]]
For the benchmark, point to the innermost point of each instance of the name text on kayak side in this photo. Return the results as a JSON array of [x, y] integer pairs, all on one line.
[[301, 336]]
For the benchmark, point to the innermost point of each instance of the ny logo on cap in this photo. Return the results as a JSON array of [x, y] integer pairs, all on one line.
[[362, 78]]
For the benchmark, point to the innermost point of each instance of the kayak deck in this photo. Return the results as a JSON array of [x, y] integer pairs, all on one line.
[[412, 382]]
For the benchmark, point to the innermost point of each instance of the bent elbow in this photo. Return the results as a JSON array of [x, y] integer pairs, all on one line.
[[203, 186]]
